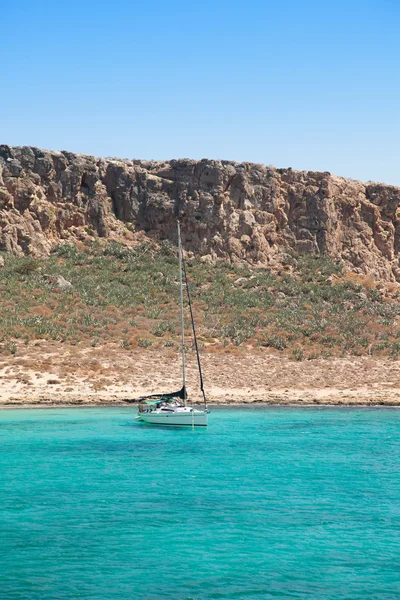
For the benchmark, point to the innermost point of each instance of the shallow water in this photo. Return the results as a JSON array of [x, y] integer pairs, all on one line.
[[265, 503]]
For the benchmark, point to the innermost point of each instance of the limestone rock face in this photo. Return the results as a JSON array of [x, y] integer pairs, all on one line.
[[235, 211]]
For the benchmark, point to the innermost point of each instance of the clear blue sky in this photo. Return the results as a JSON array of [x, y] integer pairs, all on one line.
[[307, 84]]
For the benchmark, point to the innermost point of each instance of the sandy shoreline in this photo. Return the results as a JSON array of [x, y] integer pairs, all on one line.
[[50, 375], [49, 406], [212, 407]]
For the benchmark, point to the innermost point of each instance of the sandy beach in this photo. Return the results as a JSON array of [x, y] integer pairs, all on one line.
[[47, 375]]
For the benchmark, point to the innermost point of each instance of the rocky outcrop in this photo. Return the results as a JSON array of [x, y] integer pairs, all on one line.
[[237, 211]]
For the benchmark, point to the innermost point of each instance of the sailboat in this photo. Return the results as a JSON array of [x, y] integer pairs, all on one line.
[[172, 408]]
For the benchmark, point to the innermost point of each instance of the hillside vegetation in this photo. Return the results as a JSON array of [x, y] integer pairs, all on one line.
[[130, 296]]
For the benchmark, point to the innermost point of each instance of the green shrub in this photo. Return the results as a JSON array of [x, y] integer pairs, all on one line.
[[162, 328], [298, 354], [126, 344], [274, 341], [26, 266], [168, 249], [11, 348]]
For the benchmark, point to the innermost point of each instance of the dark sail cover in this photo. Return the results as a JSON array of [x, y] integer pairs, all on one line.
[[179, 394]]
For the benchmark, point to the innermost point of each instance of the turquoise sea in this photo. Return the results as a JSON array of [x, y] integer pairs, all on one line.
[[265, 503]]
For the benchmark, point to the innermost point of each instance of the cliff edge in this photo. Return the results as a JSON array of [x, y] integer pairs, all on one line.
[[235, 211]]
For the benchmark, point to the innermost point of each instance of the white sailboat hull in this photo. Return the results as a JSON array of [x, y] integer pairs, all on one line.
[[197, 418]]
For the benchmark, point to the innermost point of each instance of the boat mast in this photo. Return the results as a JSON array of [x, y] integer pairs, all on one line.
[[194, 334], [182, 316]]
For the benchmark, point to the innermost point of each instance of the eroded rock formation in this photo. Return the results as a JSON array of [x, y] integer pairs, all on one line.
[[237, 211]]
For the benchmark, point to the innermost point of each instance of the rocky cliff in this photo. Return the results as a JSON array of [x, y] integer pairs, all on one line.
[[237, 211]]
